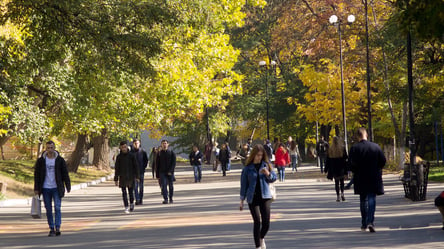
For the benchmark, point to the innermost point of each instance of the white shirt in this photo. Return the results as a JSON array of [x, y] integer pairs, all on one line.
[[50, 181]]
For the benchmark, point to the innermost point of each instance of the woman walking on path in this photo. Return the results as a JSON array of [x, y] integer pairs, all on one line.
[[282, 160], [335, 166], [255, 178], [294, 155], [224, 158]]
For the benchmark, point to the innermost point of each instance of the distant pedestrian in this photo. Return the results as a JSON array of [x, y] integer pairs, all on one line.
[[276, 144], [153, 163], [224, 157], [282, 160], [250, 144], [126, 173], [142, 162], [229, 156], [321, 152], [255, 179], [215, 156], [367, 160], [288, 144], [294, 155], [50, 179], [208, 149], [336, 165], [166, 163], [243, 154], [196, 158], [269, 149]]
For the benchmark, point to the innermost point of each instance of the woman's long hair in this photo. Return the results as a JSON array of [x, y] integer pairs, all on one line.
[[336, 149], [256, 149]]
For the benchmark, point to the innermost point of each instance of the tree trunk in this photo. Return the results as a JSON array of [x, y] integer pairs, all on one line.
[[101, 151], [3, 140], [401, 141], [80, 150]]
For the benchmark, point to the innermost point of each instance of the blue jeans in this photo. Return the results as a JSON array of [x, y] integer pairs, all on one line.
[[138, 188], [229, 165], [197, 173], [368, 207], [322, 162], [294, 162], [48, 195], [281, 171], [166, 181]]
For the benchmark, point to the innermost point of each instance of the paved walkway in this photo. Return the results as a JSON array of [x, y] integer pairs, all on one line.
[[206, 215]]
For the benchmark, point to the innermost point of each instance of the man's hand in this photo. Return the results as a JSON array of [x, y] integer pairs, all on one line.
[[241, 206]]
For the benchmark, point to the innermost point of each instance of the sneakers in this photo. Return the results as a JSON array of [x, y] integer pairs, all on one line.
[[52, 233], [338, 199], [165, 202], [371, 228], [263, 245], [127, 210], [131, 207], [171, 200], [57, 232], [363, 228], [342, 197]]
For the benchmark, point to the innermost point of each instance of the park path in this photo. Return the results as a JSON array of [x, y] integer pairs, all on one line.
[[206, 215]]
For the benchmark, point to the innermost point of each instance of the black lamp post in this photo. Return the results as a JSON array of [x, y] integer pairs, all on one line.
[[369, 104], [335, 21], [264, 64]]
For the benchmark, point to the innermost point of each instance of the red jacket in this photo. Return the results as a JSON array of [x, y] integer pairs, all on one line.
[[281, 158]]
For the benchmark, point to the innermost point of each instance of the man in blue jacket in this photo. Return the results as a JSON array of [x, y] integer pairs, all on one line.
[[50, 179], [166, 163], [367, 160]]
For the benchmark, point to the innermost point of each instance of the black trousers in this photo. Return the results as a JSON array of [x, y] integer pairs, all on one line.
[[260, 209], [125, 195], [339, 183]]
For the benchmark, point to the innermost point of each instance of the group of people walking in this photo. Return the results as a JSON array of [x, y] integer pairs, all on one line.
[[365, 160]]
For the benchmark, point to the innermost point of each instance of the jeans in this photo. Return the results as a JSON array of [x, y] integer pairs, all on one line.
[[138, 188], [281, 171], [48, 195], [322, 162], [197, 173], [260, 211], [229, 165], [368, 207], [167, 181], [125, 196], [294, 162]]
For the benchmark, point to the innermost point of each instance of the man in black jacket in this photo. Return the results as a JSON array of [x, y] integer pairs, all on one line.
[[142, 161], [50, 179], [126, 173], [367, 160], [196, 161], [166, 163]]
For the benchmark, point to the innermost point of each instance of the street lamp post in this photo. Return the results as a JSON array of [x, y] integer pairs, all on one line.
[[264, 64], [335, 21], [369, 104]]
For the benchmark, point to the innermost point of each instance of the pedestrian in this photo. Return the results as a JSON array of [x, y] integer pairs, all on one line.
[[224, 157], [126, 173], [229, 156], [321, 152], [166, 163], [282, 160], [336, 165], [153, 163], [439, 203], [196, 161], [250, 144], [255, 179], [243, 154], [367, 160], [276, 144], [294, 155], [269, 149], [50, 179], [208, 149], [288, 144], [215, 156], [142, 162]]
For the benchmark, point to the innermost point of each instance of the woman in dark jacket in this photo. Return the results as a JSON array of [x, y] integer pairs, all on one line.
[[224, 158], [336, 166]]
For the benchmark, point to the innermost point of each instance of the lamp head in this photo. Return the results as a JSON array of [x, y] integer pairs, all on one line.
[[262, 63], [351, 18], [333, 19]]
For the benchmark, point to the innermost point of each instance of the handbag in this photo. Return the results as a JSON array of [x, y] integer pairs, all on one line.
[[36, 207], [272, 188]]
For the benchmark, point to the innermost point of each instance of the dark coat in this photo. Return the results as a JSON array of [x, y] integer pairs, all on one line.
[[336, 167], [165, 162], [194, 158], [61, 174], [126, 170], [142, 159], [367, 160], [224, 155]]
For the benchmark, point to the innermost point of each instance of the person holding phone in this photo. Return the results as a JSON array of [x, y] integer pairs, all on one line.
[[255, 178]]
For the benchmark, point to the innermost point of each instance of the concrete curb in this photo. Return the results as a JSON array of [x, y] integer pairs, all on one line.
[[27, 201]]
